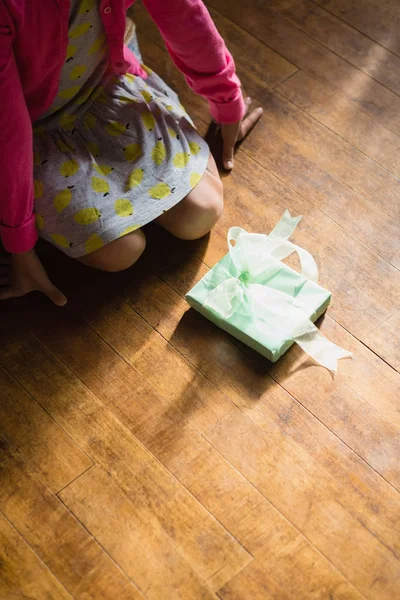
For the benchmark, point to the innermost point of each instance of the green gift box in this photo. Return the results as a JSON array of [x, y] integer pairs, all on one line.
[[263, 302]]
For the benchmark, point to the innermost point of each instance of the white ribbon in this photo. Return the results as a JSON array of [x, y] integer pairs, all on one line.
[[255, 258]]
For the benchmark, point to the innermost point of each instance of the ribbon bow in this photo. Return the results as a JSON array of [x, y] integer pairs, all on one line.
[[255, 258]]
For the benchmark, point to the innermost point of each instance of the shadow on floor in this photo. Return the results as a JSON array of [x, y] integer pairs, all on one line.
[[90, 295]]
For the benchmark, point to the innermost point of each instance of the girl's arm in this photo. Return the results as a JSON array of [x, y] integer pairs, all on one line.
[[200, 53], [17, 223]]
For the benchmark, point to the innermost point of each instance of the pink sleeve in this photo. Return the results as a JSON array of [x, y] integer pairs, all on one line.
[[17, 223], [200, 53]]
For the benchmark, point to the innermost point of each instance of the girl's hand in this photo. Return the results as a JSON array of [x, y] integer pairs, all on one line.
[[231, 134], [24, 273]]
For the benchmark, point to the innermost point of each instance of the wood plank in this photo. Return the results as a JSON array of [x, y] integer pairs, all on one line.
[[37, 437], [273, 541], [341, 116], [359, 50], [141, 549], [342, 469], [22, 574], [259, 67], [151, 357], [219, 487], [366, 375], [252, 588], [164, 368], [378, 20], [154, 420], [303, 155], [60, 541], [282, 473], [328, 152], [255, 580], [385, 340], [164, 500], [314, 58], [95, 490], [351, 418]]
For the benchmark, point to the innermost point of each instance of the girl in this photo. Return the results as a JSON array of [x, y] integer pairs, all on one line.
[[95, 145]]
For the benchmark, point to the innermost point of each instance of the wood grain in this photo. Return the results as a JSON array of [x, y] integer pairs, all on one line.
[[255, 580], [341, 116], [345, 41], [22, 574], [342, 469], [306, 169], [141, 548], [282, 554], [328, 152], [284, 471], [378, 20], [386, 340], [137, 472], [186, 465], [352, 419], [219, 487], [58, 539], [37, 437], [314, 59]]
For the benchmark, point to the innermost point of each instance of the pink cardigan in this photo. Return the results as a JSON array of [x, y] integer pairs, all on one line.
[[33, 44]]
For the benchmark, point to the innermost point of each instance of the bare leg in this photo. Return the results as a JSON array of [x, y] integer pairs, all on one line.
[[197, 214], [192, 218], [117, 255]]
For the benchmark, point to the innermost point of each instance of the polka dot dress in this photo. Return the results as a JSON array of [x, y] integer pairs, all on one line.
[[113, 152]]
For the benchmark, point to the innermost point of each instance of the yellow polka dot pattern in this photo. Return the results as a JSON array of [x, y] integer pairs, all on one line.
[[110, 169], [85, 62]]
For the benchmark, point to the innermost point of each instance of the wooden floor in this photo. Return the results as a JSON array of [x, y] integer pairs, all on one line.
[[147, 455]]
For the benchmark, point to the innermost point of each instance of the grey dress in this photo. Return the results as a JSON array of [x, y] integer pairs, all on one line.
[[113, 152]]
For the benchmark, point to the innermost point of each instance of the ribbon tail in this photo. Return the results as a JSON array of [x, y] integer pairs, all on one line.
[[318, 347], [285, 226]]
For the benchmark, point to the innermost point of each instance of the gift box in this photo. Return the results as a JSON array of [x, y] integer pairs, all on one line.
[[254, 296]]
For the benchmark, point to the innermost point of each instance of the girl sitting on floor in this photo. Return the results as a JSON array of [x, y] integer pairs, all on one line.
[[95, 145]]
